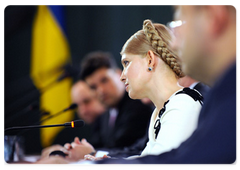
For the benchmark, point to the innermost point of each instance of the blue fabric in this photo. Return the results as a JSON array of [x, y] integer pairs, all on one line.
[[214, 140], [58, 13]]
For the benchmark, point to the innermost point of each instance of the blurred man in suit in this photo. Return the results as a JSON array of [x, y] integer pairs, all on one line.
[[89, 109]]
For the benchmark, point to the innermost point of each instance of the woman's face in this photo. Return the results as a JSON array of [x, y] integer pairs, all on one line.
[[134, 75]]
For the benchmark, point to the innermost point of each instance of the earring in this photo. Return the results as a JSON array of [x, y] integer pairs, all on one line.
[[149, 68]]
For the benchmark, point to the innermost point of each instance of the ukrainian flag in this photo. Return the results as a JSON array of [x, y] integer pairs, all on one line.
[[50, 51]]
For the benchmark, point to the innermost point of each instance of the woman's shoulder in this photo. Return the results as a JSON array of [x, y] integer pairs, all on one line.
[[179, 105], [187, 94], [183, 100]]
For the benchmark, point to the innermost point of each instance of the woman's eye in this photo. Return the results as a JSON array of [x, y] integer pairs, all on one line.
[[125, 63]]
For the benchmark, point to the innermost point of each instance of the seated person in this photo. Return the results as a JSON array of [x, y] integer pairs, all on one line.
[[89, 109]]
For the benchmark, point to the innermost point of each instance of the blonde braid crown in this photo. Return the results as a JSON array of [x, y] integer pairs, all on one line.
[[160, 46]]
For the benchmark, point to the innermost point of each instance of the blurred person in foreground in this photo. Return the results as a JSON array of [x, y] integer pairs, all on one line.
[[206, 37]]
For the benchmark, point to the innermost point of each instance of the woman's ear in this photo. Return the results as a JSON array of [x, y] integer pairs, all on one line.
[[151, 60]]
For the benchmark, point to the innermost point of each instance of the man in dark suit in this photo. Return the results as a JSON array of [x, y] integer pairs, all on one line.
[[89, 109], [207, 40]]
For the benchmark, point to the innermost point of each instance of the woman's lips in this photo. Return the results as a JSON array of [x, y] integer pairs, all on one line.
[[126, 86]]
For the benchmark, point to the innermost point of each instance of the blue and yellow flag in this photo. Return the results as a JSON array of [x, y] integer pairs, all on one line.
[[50, 52]]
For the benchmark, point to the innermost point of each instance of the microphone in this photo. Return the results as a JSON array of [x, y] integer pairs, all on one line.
[[71, 107], [72, 124]]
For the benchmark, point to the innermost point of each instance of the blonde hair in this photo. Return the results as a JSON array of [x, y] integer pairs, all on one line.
[[157, 38]]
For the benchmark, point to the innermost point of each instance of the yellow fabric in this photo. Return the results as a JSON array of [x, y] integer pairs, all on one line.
[[50, 51]]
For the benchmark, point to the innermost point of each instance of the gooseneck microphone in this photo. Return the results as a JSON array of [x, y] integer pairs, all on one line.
[[72, 124], [71, 107]]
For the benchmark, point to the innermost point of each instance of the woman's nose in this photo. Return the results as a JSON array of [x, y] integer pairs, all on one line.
[[123, 77]]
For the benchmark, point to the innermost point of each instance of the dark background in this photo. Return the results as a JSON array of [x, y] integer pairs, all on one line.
[[88, 28]]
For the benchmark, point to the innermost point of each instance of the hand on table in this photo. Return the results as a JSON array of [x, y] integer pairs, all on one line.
[[93, 158], [77, 149]]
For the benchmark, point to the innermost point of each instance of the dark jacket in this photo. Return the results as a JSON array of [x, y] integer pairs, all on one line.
[[130, 125]]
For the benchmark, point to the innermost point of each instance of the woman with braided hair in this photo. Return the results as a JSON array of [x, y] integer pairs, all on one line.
[[151, 70]]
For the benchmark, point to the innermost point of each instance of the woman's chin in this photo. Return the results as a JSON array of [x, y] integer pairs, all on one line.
[[133, 95]]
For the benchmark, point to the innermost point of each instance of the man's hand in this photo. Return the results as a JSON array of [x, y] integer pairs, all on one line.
[[77, 149]]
